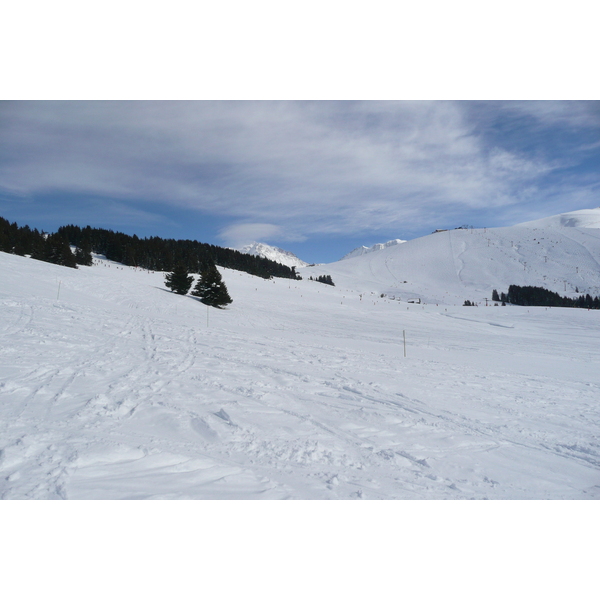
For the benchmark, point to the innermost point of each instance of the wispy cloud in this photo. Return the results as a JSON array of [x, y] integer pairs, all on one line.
[[289, 168], [241, 234]]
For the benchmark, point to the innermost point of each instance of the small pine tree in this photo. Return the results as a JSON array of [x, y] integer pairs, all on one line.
[[495, 297], [211, 288], [179, 281]]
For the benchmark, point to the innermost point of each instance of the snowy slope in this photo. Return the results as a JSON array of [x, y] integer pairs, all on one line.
[[587, 218], [279, 255], [113, 387], [367, 249], [452, 266]]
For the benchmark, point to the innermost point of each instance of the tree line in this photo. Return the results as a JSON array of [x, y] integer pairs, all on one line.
[[153, 253], [323, 279], [24, 241], [530, 295]]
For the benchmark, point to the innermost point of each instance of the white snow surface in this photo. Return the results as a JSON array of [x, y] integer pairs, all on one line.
[[284, 257], [112, 387], [366, 249], [587, 218], [450, 267]]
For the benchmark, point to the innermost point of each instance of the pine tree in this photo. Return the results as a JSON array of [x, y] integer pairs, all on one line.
[[83, 254], [495, 297], [179, 281], [211, 288], [57, 251]]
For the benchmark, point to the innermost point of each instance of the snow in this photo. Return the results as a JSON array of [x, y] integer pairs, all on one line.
[[366, 249], [468, 264], [284, 257], [586, 218], [112, 387]]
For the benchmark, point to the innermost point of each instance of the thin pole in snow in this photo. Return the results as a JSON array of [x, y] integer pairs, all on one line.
[[58, 294]]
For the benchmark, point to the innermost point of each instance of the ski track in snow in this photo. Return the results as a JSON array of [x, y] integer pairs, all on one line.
[[298, 391]]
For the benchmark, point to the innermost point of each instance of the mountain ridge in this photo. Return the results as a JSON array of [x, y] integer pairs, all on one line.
[[284, 257], [374, 248]]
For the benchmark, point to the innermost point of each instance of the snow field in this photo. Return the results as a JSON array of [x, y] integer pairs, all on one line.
[[120, 389], [467, 264]]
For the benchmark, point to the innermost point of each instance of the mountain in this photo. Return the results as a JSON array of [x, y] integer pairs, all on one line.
[[560, 253], [273, 253], [365, 249], [588, 218], [112, 387]]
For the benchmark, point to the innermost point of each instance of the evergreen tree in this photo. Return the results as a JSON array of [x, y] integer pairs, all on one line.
[[38, 248], [495, 297], [529, 295], [57, 251], [179, 281], [83, 254], [323, 279], [211, 288]]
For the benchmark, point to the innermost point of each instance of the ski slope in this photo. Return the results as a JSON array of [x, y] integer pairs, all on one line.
[[112, 387], [560, 253]]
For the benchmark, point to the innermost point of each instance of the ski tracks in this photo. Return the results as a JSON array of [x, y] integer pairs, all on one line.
[[143, 407], [351, 430], [90, 384], [21, 321]]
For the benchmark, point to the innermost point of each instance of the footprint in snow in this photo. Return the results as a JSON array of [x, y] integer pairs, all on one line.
[[223, 415]]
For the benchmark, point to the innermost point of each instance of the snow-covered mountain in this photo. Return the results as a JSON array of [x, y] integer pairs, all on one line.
[[366, 249], [588, 218], [560, 253], [273, 253], [113, 388]]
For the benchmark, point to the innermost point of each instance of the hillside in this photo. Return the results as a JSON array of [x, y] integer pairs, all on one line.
[[452, 266], [113, 387], [588, 218]]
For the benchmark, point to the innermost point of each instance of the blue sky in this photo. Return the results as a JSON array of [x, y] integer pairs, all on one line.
[[316, 177]]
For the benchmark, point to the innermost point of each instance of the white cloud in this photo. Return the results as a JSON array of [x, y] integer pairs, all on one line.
[[240, 234], [574, 114], [294, 167]]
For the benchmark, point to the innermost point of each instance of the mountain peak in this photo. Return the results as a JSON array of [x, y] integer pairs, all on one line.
[[365, 249], [279, 255]]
